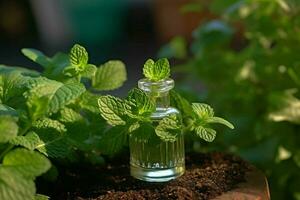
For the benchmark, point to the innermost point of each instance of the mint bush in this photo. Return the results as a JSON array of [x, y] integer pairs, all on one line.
[[50, 115], [247, 59]]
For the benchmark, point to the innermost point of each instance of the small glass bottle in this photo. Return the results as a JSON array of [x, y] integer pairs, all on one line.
[[155, 160]]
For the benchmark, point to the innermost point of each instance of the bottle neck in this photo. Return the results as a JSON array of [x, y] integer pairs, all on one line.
[[161, 99], [158, 92]]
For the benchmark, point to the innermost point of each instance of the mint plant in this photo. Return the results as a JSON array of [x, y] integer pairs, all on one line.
[[248, 63], [50, 115], [152, 126], [156, 71]]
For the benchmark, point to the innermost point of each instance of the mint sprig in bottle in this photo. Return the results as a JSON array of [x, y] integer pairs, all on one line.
[[160, 157]]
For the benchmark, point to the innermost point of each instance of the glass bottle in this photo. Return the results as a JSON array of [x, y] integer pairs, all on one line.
[[155, 160]]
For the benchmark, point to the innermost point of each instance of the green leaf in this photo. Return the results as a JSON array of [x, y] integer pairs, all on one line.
[[58, 63], [36, 56], [220, 120], [177, 101], [71, 71], [206, 134], [143, 132], [41, 197], [114, 140], [113, 110], [52, 144], [79, 56], [12, 87], [63, 95], [47, 123], [68, 115], [203, 116], [169, 128], [30, 141], [288, 108], [157, 71], [202, 110], [134, 126], [57, 94], [8, 128], [52, 138], [110, 76], [28, 163], [140, 103], [4, 70], [37, 106], [89, 71], [14, 186], [89, 102]]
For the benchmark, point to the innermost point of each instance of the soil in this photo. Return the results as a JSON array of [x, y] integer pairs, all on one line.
[[206, 176]]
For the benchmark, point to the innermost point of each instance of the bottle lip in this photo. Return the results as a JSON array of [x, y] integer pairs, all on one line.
[[158, 86]]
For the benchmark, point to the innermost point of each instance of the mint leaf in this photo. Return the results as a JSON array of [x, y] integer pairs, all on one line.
[[68, 115], [220, 120], [8, 128], [55, 94], [203, 116], [36, 56], [206, 134], [89, 102], [113, 110], [28, 163], [177, 101], [71, 71], [287, 107], [50, 138], [202, 110], [63, 95], [143, 132], [113, 140], [169, 128], [4, 70], [37, 106], [89, 71], [78, 56], [157, 71], [134, 126], [30, 141], [47, 123], [47, 141], [141, 105], [14, 186], [12, 87], [41, 197], [57, 64], [109, 76]]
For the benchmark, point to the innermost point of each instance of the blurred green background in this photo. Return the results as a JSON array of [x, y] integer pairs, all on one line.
[[241, 56]]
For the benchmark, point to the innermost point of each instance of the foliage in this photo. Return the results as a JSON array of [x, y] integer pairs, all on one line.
[[156, 71], [248, 61], [133, 115], [50, 115]]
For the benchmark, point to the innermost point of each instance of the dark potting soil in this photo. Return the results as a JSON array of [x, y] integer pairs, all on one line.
[[206, 176]]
